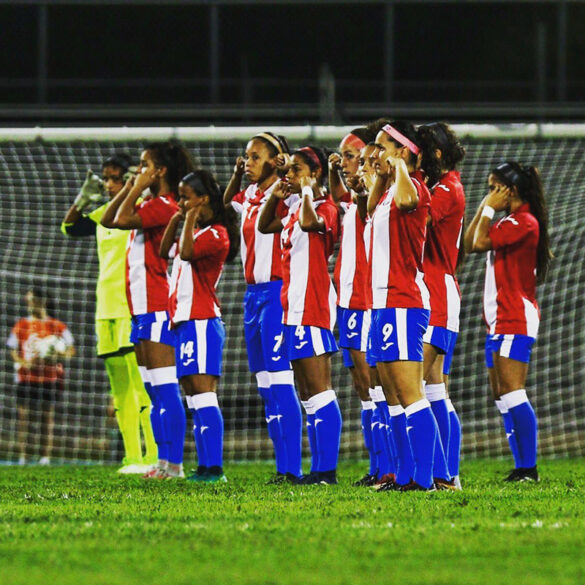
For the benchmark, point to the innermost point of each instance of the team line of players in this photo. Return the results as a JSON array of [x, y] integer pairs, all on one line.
[[396, 299]]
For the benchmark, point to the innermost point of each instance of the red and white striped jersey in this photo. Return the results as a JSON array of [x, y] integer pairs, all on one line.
[[261, 253], [193, 283], [442, 249], [397, 244], [509, 298], [147, 287], [351, 268], [308, 296]]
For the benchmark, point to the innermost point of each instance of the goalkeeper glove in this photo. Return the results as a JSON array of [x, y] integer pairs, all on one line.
[[91, 190]]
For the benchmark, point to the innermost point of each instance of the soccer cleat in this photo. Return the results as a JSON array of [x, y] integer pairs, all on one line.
[[310, 479], [328, 477], [134, 469], [291, 478], [387, 486], [276, 479], [153, 472], [523, 474], [444, 485], [367, 480], [214, 478], [415, 487]]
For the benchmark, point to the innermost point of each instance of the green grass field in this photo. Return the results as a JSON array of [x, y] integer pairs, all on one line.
[[86, 525]]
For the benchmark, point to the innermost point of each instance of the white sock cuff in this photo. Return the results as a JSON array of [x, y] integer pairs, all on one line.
[[395, 410], [377, 394], [308, 406], [204, 400], [322, 399], [160, 376], [501, 406], [435, 392], [263, 379], [450, 407], [284, 377], [189, 401], [144, 374], [515, 398], [368, 405], [417, 407]]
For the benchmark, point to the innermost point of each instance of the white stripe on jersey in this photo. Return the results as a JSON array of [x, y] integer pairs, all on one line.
[[263, 245], [348, 256], [402, 333], [299, 270], [380, 241], [490, 305], [137, 272], [317, 340], [201, 334], [332, 305], [424, 291], [532, 318], [365, 330], [453, 303]]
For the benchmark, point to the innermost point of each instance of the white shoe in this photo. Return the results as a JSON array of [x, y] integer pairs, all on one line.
[[44, 461], [134, 469]]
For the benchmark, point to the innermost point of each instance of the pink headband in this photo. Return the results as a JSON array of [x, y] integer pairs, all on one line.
[[312, 155], [353, 140], [392, 132]]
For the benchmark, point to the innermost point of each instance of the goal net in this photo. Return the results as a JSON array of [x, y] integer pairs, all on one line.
[[41, 170]]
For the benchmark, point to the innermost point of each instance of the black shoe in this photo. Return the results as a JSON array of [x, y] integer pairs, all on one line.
[[310, 479], [276, 479], [523, 474], [415, 487], [328, 477], [292, 478], [389, 486], [367, 480]]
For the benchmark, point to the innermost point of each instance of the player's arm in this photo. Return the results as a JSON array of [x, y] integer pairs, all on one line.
[[186, 250], [336, 186], [168, 238], [405, 194], [309, 221], [127, 216], [234, 186], [75, 223], [378, 187], [108, 218], [268, 220], [470, 231], [497, 200]]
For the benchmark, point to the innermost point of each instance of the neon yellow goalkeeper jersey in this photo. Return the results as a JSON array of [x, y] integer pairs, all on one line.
[[111, 284]]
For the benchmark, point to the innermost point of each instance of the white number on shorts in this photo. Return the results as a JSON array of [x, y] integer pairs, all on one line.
[[186, 349], [300, 332], [352, 321], [387, 331], [278, 342]]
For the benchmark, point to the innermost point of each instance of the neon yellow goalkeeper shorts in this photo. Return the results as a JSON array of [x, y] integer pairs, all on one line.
[[112, 335]]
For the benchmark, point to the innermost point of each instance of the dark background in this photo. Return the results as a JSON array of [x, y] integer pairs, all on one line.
[[319, 61]]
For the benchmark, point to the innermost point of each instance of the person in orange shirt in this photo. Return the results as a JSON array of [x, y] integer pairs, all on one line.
[[38, 345]]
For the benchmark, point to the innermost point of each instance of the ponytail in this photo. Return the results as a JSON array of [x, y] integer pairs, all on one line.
[[175, 157]]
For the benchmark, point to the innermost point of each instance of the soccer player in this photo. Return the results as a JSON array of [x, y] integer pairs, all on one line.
[[38, 345], [162, 164], [351, 282], [400, 313], [131, 402], [443, 153], [308, 297], [261, 258], [518, 259], [209, 237]]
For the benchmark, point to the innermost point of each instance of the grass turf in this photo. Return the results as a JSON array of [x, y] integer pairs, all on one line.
[[86, 525]]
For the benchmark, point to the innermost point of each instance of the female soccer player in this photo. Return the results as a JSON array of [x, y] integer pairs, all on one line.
[[209, 237], [162, 164], [38, 345], [443, 153], [261, 257], [131, 402], [400, 313], [351, 282], [308, 299], [518, 259]]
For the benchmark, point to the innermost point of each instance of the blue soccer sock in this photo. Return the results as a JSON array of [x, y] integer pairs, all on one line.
[[273, 421], [173, 418], [404, 458], [437, 396], [422, 434], [378, 431], [199, 444], [368, 408], [509, 430], [310, 412], [525, 425], [291, 423], [327, 428], [155, 420], [454, 451], [387, 440], [211, 426]]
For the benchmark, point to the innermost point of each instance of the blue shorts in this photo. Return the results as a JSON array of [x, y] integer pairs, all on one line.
[[397, 334], [304, 341], [444, 341], [263, 327], [199, 347], [370, 358], [153, 327], [354, 326], [515, 347]]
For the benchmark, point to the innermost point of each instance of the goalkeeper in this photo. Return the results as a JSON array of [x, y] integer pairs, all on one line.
[[131, 402]]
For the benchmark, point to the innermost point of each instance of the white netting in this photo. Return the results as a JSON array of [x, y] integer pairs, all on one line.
[[41, 171]]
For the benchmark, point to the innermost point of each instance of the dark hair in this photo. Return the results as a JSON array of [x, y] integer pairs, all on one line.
[[281, 140], [44, 297], [527, 181], [439, 135], [203, 183], [120, 160], [376, 125], [316, 158], [408, 130], [175, 157]]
